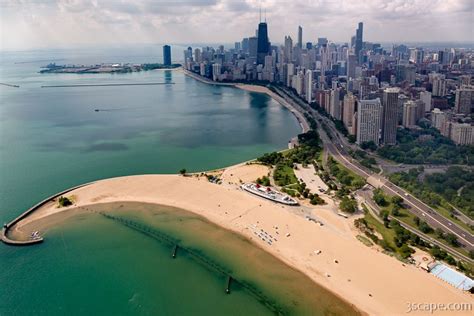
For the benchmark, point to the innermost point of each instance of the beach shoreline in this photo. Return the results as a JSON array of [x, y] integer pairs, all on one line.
[[381, 287]]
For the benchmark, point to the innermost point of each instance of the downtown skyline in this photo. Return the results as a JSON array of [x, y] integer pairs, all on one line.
[[49, 23]]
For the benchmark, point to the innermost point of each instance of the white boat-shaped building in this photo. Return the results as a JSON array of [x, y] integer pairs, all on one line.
[[269, 193]]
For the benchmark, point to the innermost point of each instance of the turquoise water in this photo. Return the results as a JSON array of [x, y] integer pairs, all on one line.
[[128, 269], [52, 139]]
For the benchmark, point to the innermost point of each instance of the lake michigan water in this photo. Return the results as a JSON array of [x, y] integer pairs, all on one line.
[[52, 139]]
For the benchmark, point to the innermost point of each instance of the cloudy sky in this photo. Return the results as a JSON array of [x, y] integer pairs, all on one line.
[[61, 23]]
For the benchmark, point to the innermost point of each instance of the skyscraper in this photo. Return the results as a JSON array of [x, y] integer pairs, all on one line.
[[288, 49], [309, 85], [425, 96], [335, 105], [167, 55], [464, 100], [369, 121], [409, 114], [439, 84], [263, 47], [300, 37], [253, 44], [348, 111], [245, 45], [390, 116], [351, 65], [359, 41]]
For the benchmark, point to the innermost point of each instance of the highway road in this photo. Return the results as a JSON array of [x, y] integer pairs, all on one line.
[[367, 198], [335, 147]]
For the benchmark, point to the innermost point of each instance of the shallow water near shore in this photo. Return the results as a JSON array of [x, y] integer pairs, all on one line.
[[121, 253]]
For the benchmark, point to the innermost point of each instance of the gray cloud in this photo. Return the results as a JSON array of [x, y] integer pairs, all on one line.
[[64, 22]]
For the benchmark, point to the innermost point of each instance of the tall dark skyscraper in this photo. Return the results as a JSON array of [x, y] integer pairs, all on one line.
[[300, 37], [167, 55], [390, 116], [263, 47], [359, 40]]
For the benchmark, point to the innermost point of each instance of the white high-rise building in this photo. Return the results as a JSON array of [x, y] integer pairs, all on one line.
[[425, 96], [216, 71], [410, 109], [288, 52], [369, 121], [290, 73], [439, 119], [439, 85], [462, 133], [309, 85]]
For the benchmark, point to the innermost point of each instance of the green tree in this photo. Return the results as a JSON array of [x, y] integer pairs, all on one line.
[[425, 228], [348, 205], [452, 239], [379, 197], [397, 200], [182, 172]]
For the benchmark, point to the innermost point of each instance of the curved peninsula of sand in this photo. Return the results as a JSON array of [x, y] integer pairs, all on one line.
[[374, 282]]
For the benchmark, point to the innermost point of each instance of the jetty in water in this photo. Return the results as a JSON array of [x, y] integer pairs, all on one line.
[[9, 85]]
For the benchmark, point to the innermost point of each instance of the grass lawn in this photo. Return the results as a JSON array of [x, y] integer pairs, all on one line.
[[387, 233], [284, 175]]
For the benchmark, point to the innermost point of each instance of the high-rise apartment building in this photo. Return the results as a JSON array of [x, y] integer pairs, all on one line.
[[410, 115], [425, 96], [439, 119], [390, 116], [309, 85], [348, 110], [464, 99], [369, 121], [335, 106], [439, 85], [462, 133]]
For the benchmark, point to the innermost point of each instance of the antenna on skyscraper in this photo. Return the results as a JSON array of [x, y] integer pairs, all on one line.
[[265, 15], [260, 12]]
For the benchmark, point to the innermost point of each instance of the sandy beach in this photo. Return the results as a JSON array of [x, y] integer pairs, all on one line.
[[372, 281]]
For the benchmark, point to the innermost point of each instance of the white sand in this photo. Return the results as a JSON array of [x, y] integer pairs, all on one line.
[[360, 270]]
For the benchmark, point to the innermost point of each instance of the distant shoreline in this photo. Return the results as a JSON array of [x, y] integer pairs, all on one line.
[[108, 68]]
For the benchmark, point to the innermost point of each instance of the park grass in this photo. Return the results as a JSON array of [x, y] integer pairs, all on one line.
[[284, 175], [387, 234]]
